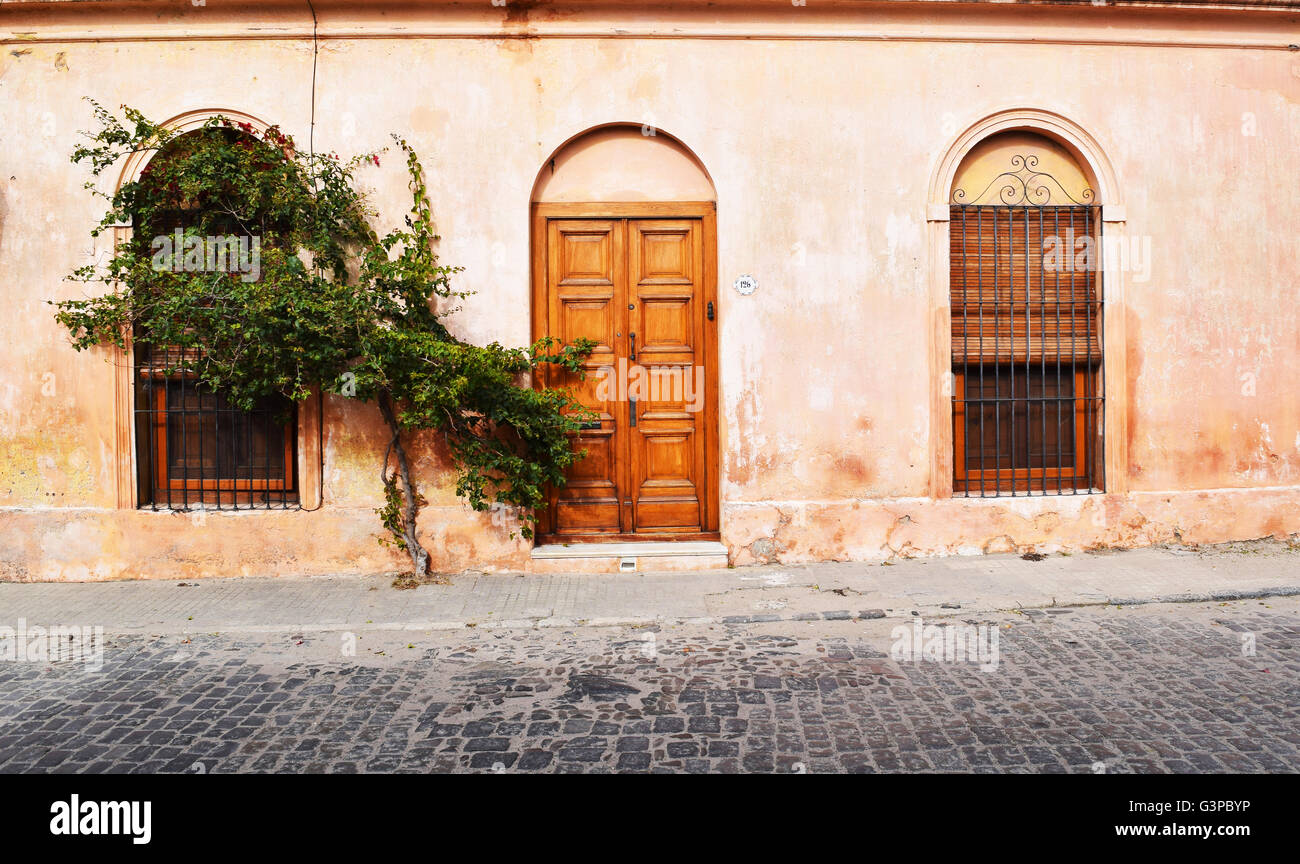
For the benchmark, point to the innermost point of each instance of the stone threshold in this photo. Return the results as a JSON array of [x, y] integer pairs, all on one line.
[[630, 557]]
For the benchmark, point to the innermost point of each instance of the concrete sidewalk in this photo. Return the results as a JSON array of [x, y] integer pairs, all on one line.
[[930, 587]]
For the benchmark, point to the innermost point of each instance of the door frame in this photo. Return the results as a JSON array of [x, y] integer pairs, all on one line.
[[707, 213]]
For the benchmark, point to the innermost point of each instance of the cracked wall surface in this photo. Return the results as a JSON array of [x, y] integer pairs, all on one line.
[[792, 532]]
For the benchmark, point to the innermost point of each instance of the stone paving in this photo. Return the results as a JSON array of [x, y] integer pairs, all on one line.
[[1198, 687]]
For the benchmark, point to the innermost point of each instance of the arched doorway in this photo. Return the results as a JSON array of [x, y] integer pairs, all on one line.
[[624, 254]]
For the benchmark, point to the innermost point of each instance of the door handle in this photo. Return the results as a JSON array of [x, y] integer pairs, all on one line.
[[632, 354], [633, 401]]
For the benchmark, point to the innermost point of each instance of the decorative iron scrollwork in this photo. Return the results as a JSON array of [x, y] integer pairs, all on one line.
[[1024, 186]]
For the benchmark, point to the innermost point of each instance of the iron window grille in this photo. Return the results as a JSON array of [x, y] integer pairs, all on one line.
[[196, 449], [1027, 340]]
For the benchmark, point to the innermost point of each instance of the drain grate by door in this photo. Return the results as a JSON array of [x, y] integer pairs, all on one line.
[[627, 565]]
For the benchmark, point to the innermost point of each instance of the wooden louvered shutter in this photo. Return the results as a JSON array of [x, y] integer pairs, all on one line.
[[1024, 284]]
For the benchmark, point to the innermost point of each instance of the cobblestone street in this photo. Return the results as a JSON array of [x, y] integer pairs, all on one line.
[[1158, 688]]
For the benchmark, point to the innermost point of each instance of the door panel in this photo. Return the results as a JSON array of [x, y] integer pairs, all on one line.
[[667, 452], [584, 283], [636, 288]]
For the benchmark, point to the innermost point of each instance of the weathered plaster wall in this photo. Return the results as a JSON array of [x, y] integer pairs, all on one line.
[[820, 151]]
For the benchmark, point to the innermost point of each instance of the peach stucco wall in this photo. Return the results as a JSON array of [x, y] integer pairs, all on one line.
[[821, 149]]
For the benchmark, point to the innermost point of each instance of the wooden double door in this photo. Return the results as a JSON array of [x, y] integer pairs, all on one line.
[[639, 281]]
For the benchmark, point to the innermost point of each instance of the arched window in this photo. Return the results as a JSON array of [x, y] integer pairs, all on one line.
[[193, 447], [1026, 301]]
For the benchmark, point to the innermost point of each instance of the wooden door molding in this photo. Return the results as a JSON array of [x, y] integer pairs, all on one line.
[[626, 209], [696, 220]]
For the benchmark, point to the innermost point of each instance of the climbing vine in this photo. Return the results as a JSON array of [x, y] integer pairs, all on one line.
[[333, 304]]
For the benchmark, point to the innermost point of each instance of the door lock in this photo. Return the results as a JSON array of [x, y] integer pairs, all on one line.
[[710, 310]]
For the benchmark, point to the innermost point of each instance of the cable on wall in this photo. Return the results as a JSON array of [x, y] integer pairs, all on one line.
[[311, 150]]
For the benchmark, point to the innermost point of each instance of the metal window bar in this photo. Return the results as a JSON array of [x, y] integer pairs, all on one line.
[[1042, 358], [1099, 249], [1073, 364], [979, 282], [997, 367], [1056, 228], [1029, 456]]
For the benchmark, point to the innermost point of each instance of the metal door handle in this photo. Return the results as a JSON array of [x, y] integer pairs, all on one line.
[[633, 401], [632, 354]]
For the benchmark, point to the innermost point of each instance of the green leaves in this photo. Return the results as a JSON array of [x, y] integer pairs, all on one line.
[[332, 304]]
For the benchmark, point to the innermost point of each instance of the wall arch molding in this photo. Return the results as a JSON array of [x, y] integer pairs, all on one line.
[[187, 121], [309, 469], [1080, 142]]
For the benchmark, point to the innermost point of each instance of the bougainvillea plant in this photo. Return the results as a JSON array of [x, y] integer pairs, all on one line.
[[334, 305]]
